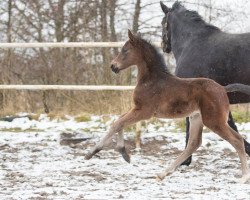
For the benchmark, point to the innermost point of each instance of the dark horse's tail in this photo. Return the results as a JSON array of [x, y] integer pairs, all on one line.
[[237, 87]]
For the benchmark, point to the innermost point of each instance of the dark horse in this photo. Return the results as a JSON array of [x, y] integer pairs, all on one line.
[[203, 50], [160, 94]]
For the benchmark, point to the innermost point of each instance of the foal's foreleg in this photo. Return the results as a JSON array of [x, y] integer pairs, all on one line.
[[121, 147], [131, 117], [194, 142]]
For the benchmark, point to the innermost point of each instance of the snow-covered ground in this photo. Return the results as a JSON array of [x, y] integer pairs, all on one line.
[[34, 164]]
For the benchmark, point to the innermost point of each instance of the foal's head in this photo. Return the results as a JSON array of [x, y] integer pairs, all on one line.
[[138, 51], [130, 54]]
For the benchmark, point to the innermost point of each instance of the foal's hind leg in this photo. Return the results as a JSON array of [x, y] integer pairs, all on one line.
[[194, 142], [236, 140], [230, 123]]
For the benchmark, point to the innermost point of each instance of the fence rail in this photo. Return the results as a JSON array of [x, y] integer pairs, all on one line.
[[66, 45], [67, 87]]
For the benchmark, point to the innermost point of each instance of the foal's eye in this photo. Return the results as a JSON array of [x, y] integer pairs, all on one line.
[[125, 50]]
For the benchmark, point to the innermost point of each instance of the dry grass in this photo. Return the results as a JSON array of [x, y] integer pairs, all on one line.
[[83, 118], [241, 113], [73, 103], [83, 104]]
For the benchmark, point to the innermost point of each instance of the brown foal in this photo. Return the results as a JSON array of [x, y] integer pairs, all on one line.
[[160, 94]]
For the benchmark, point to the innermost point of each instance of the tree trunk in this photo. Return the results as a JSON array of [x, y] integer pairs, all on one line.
[[7, 64], [113, 36], [136, 16], [210, 11], [104, 35], [60, 58]]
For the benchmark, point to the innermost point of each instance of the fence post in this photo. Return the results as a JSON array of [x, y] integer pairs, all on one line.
[[138, 135]]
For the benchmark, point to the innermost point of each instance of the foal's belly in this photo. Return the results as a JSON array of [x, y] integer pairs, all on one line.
[[176, 109]]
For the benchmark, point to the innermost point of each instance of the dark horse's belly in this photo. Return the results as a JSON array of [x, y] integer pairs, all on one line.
[[223, 57], [225, 79]]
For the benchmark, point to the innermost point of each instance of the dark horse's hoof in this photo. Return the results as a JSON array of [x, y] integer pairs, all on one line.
[[187, 162], [125, 154]]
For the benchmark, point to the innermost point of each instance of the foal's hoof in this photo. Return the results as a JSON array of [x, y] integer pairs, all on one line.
[[245, 179], [188, 161], [160, 177], [88, 156], [125, 154], [91, 153]]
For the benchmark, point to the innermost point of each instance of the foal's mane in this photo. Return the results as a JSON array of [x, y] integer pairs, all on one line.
[[153, 58], [193, 16]]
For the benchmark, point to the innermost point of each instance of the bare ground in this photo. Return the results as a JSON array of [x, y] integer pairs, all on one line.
[[37, 166]]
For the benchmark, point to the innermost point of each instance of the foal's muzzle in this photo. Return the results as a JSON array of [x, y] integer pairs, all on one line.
[[115, 69]]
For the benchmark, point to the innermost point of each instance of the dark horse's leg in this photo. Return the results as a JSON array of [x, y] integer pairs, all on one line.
[[230, 123], [189, 159], [233, 126]]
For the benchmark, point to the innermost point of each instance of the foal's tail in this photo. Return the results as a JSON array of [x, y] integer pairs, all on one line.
[[237, 87]]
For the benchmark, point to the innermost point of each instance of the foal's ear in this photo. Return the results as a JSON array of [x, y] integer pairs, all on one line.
[[164, 8], [131, 37], [138, 34]]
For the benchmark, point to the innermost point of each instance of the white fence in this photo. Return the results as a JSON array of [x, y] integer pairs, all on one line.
[[66, 45], [66, 87]]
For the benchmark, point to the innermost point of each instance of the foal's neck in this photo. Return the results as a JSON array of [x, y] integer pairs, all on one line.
[[149, 73], [143, 71]]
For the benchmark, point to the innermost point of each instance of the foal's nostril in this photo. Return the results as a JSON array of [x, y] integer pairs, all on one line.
[[114, 68]]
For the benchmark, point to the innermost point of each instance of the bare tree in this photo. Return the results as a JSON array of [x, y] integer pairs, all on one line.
[[7, 60], [113, 36], [136, 16]]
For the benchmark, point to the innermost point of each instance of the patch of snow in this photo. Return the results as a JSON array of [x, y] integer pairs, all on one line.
[[35, 166]]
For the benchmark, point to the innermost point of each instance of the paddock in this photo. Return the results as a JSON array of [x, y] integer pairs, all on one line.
[[36, 164]]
